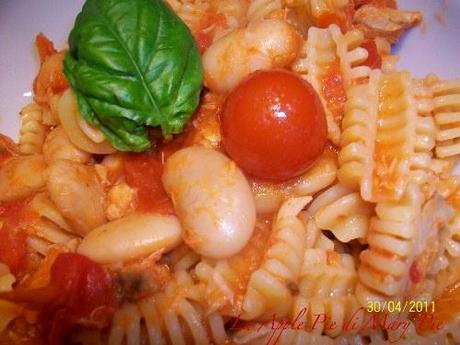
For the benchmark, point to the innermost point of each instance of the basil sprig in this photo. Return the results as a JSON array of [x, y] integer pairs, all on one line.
[[132, 64]]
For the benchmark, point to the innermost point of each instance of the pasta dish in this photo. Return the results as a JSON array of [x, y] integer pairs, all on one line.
[[235, 172]]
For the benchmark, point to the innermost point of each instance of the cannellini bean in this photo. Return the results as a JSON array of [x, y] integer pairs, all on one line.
[[21, 176], [58, 146], [212, 199], [133, 236], [77, 193], [264, 44]]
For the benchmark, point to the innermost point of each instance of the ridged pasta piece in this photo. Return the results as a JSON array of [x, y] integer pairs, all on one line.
[[173, 316], [341, 211], [327, 283], [32, 131], [226, 281], [49, 226], [449, 239], [8, 311], [380, 137], [181, 258], [425, 133], [384, 270], [446, 103], [329, 57], [271, 334], [272, 286], [269, 196]]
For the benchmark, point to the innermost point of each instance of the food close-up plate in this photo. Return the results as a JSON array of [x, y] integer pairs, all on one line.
[[229, 172]]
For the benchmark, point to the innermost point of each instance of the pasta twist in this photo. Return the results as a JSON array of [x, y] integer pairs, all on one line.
[[383, 147], [262, 334], [341, 211], [446, 103], [271, 287], [326, 53], [32, 132], [172, 316], [49, 228], [384, 270]]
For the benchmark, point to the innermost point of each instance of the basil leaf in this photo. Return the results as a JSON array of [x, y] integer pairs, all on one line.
[[132, 64]]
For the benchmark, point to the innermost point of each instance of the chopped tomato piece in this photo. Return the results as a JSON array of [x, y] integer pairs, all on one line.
[[374, 60], [343, 19], [85, 284], [144, 174], [204, 40], [334, 91], [45, 47], [50, 80], [415, 274], [13, 248]]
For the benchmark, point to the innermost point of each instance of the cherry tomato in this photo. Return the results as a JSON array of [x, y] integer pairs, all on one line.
[[273, 125], [373, 59]]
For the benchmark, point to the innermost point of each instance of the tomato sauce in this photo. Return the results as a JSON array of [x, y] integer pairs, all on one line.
[[333, 90], [343, 20], [373, 60], [143, 173], [13, 246]]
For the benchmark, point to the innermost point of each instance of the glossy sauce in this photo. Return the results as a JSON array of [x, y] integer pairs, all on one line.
[[333, 90], [143, 173]]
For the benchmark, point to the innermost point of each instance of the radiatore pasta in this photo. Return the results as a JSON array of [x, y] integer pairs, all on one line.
[[180, 244]]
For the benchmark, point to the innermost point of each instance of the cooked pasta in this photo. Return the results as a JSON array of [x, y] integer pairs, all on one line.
[[49, 228], [33, 131], [446, 104], [328, 54], [343, 212], [383, 273], [173, 315], [248, 172]]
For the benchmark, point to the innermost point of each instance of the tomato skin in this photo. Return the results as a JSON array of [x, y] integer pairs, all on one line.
[[143, 173], [44, 46], [13, 246], [85, 295], [13, 249], [374, 60], [273, 125]]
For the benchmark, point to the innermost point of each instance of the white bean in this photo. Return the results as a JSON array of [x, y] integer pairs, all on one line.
[[134, 236], [78, 194], [264, 44], [21, 176], [212, 199], [58, 146]]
